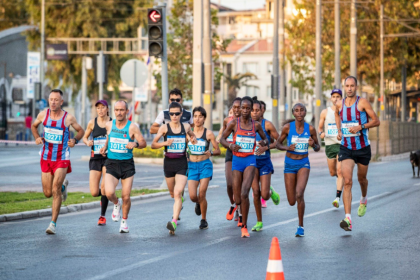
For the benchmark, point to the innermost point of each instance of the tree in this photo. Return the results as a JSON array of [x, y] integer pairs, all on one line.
[[236, 82], [12, 14]]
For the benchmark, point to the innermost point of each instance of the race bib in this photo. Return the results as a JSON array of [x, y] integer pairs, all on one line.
[[345, 129], [332, 130], [256, 149], [197, 149], [98, 143], [53, 135], [301, 144], [230, 138], [118, 145], [246, 143], [178, 146]]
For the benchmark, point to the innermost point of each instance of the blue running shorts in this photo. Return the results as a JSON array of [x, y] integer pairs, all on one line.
[[265, 166], [294, 165], [200, 170], [240, 163]]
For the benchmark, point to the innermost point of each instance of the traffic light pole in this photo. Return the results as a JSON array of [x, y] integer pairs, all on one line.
[[164, 71], [275, 76], [208, 77]]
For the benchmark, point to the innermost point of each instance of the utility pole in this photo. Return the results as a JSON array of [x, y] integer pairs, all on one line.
[[100, 74], [84, 91], [282, 64], [208, 81], [404, 91], [275, 76], [221, 103], [198, 54], [318, 63], [149, 96], [41, 64], [289, 91], [353, 40], [381, 86], [164, 70], [337, 76]]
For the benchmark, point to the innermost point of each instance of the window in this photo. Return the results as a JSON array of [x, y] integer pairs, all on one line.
[[269, 67], [232, 20], [251, 67], [252, 91]]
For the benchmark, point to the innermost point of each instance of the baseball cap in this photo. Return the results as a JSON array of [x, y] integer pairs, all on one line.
[[337, 90], [103, 102]]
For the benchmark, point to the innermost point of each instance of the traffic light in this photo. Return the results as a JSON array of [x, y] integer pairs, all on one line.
[[155, 32]]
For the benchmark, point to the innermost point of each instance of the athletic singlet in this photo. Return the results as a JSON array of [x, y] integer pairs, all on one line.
[[330, 128], [245, 139], [99, 139], [266, 154], [301, 140], [230, 137], [201, 146], [178, 147], [351, 116], [56, 136], [117, 142]]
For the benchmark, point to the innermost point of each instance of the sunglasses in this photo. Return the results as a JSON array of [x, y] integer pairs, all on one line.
[[175, 100], [175, 114]]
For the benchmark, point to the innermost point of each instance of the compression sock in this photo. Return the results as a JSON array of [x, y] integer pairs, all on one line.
[[104, 204], [100, 194], [339, 194]]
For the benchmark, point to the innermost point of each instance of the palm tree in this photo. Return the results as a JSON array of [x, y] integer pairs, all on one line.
[[236, 82]]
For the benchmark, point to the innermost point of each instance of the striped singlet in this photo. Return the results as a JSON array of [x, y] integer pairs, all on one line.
[[56, 136]]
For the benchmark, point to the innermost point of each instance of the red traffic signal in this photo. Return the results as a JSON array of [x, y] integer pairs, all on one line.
[[155, 15]]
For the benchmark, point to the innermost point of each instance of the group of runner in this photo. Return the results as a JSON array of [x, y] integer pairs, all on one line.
[[247, 137]]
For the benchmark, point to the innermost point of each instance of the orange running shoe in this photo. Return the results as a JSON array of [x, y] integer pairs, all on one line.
[[102, 221], [231, 212], [244, 232], [240, 221]]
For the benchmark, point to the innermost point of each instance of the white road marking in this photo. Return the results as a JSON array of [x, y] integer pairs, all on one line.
[[418, 184]]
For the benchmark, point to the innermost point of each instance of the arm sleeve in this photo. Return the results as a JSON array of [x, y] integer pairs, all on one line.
[[160, 118]]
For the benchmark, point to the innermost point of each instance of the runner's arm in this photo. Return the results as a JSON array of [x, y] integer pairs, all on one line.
[[219, 136], [283, 136], [229, 128], [34, 127], [216, 149], [108, 127], [369, 111], [88, 131], [338, 119], [158, 122], [273, 134], [190, 133], [260, 131], [134, 131], [78, 128], [321, 123], [314, 139], [161, 132]]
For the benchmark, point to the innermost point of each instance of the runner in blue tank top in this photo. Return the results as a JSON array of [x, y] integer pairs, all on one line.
[[352, 119], [119, 144], [300, 136]]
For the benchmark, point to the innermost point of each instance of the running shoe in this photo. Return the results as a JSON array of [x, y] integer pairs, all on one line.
[[197, 209], [124, 226], [244, 232], [204, 224], [236, 214], [64, 191], [258, 227], [229, 215], [263, 203], [102, 221], [346, 224], [275, 197], [240, 221], [336, 202], [51, 228], [171, 226], [300, 232], [116, 213], [362, 209]]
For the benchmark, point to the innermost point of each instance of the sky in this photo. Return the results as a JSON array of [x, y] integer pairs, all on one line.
[[241, 4]]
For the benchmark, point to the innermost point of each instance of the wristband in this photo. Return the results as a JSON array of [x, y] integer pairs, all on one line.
[[75, 140], [211, 153], [321, 133], [137, 144]]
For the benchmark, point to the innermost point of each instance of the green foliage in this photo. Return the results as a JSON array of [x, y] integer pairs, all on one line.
[[236, 82], [149, 152], [12, 14]]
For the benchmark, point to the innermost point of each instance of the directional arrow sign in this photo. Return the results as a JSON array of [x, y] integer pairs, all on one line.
[[154, 16]]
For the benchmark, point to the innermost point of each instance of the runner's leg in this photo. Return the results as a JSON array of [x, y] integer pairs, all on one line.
[[361, 176], [229, 183], [59, 177], [340, 180], [347, 167], [110, 184], [265, 186], [302, 180], [104, 198], [248, 176], [126, 185], [332, 166], [290, 184], [180, 181], [257, 193], [237, 184], [94, 180], [192, 190], [170, 182], [204, 183], [47, 183]]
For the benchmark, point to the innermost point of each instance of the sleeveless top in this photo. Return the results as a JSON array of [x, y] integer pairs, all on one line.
[[178, 147], [245, 139], [330, 128], [56, 136], [118, 140], [351, 116], [201, 146], [267, 153], [99, 139], [301, 140], [230, 137]]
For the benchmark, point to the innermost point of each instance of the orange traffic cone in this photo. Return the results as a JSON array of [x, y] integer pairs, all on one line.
[[275, 265]]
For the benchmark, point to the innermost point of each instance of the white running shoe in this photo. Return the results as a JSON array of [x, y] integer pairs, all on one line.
[[124, 227], [336, 202], [51, 229], [64, 193], [116, 213]]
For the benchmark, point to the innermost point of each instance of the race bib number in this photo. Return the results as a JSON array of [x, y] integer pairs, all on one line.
[[118, 145], [98, 143], [197, 149], [178, 146], [256, 149], [53, 135], [332, 130], [345, 129], [246, 143], [301, 144], [230, 138]]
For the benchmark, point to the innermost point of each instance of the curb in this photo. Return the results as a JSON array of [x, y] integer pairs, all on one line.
[[395, 157], [136, 160], [75, 207]]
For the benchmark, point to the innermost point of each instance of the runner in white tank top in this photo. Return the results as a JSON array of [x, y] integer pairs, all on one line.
[[328, 131]]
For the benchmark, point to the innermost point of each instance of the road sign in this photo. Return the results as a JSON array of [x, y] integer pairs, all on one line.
[[155, 32], [42, 104], [33, 73], [133, 73], [140, 93]]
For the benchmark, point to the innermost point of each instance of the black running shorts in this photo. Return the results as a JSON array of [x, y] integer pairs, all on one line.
[[229, 155], [361, 156], [174, 166], [120, 169], [97, 164]]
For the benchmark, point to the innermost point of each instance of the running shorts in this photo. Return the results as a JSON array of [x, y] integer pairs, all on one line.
[[265, 166], [49, 166], [174, 166], [200, 170], [241, 163], [97, 164], [229, 155], [120, 169], [332, 151], [294, 165], [361, 156]]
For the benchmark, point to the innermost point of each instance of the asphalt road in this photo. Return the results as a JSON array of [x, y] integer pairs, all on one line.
[[382, 245]]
